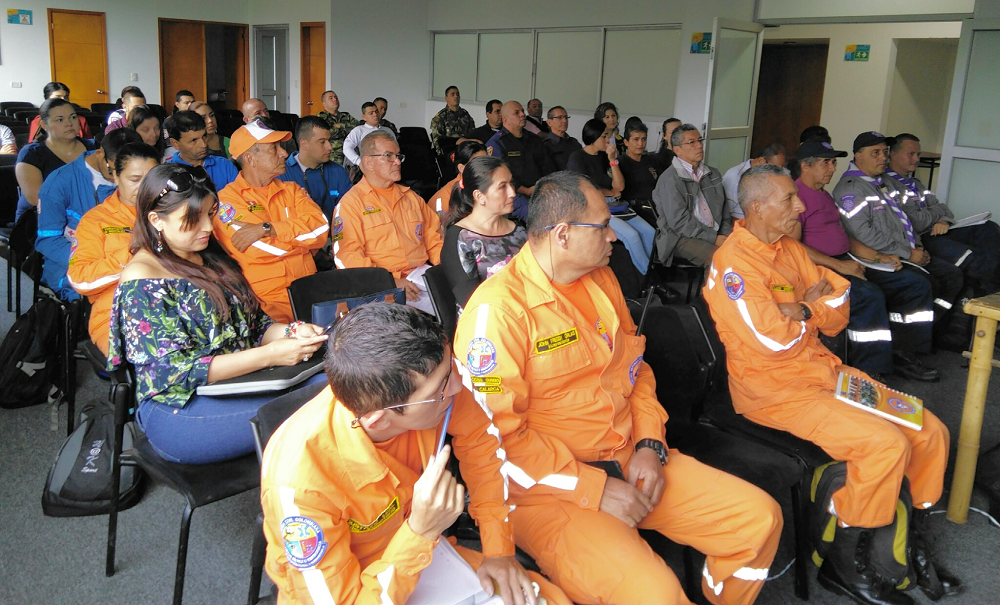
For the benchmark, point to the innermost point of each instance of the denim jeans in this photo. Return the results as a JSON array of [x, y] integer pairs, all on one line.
[[637, 236]]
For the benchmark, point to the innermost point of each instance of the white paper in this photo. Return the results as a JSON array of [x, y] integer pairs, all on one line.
[[417, 276], [449, 580], [423, 302], [876, 266], [975, 219], [912, 264]]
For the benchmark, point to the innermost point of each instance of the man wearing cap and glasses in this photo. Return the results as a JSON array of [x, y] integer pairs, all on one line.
[[884, 304], [876, 219], [379, 223], [270, 227]]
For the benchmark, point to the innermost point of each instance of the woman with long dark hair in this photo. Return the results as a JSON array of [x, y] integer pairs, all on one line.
[[608, 113], [55, 144], [480, 240], [146, 122], [184, 315]]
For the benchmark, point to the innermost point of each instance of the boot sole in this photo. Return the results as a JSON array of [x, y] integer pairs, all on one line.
[[836, 588]]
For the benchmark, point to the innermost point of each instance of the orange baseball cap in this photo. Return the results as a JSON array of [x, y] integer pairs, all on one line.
[[255, 132]]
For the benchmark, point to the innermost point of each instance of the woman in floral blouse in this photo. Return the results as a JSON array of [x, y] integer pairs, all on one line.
[[184, 315]]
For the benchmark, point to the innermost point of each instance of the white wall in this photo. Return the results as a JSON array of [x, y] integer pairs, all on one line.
[[921, 86], [132, 42], [856, 95]]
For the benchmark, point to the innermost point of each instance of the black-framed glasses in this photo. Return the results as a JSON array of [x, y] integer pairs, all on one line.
[[698, 141], [182, 182], [587, 225], [444, 395], [388, 156]]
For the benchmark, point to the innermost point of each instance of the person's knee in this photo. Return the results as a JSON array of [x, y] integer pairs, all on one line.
[[887, 444]]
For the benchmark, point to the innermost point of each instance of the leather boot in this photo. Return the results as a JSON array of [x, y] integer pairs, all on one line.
[[934, 582], [845, 571]]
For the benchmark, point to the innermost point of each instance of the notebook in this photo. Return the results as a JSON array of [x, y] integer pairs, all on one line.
[[276, 378], [975, 219], [880, 400], [449, 580]]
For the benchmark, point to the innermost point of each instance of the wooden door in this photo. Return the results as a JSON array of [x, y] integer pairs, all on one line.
[[790, 94], [182, 60], [313, 67], [78, 49], [237, 66]]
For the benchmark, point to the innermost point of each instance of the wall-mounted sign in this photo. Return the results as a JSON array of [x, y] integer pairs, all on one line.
[[857, 52], [18, 16], [701, 43]]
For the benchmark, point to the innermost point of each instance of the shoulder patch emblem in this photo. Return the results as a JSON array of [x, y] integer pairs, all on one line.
[[304, 544], [481, 357], [558, 341], [385, 515], [419, 232], [633, 370], [226, 213], [734, 285], [489, 150]]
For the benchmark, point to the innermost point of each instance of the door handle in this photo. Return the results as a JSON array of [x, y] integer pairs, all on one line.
[[100, 92], [309, 102]]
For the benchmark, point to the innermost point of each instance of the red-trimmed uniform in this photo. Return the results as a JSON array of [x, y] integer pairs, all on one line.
[[781, 376], [565, 389]]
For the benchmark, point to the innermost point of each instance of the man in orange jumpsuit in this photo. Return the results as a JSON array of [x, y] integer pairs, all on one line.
[[381, 224], [270, 227], [549, 347], [769, 302], [103, 237], [354, 492]]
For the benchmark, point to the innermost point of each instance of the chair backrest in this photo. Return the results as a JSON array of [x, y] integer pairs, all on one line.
[[103, 109], [443, 299], [270, 415], [21, 138], [680, 375], [414, 135], [26, 115], [8, 191], [335, 285]]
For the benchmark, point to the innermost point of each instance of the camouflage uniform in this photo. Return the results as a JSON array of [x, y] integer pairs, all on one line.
[[341, 125], [449, 123], [384, 123]]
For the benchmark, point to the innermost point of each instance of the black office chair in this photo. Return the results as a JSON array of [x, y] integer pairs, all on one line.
[[199, 484], [269, 417], [8, 107], [443, 299], [103, 109], [21, 256], [26, 114], [335, 285]]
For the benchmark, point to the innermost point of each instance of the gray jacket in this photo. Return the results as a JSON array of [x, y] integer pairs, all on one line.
[[919, 202], [867, 216], [675, 198]]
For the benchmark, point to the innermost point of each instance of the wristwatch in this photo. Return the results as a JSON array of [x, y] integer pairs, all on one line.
[[806, 313], [656, 446], [267, 228]]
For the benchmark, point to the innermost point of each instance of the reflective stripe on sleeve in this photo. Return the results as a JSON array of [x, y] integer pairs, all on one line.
[[751, 574], [855, 210], [962, 258], [315, 582], [315, 233], [766, 341], [942, 303], [384, 580], [94, 284], [836, 302], [716, 588]]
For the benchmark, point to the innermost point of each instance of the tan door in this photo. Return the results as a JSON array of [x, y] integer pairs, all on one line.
[[79, 51], [182, 60], [313, 67], [237, 67]]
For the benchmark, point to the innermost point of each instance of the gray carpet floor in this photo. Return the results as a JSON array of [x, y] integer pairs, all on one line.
[[61, 561]]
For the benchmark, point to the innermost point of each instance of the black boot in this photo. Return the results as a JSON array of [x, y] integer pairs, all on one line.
[[935, 583], [845, 571]]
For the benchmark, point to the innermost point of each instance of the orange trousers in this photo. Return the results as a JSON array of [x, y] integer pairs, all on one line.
[[878, 454], [596, 558], [548, 590], [273, 297]]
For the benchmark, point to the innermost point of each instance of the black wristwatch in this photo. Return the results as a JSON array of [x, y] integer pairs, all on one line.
[[806, 313], [267, 228], [656, 446]]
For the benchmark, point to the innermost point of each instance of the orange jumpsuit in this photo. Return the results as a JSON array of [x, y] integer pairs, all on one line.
[[565, 389], [335, 504], [441, 200], [397, 231], [103, 237], [272, 263], [781, 376]]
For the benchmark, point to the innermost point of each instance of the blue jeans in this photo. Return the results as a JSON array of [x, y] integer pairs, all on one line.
[[637, 236], [207, 429]]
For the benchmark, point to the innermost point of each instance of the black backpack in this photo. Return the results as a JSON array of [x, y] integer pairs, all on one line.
[[29, 356], [79, 482]]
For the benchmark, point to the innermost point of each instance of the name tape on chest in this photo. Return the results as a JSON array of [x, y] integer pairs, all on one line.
[[255, 208], [781, 288], [552, 343], [487, 384], [358, 528], [116, 230]]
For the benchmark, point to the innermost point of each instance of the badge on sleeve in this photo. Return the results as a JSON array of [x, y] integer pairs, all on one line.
[[734, 285], [419, 232], [338, 228], [482, 356], [226, 213], [304, 544], [633, 370], [847, 203]]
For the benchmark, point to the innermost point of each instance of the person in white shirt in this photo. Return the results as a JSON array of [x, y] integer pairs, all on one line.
[[8, 143], [370, 115], [772, 154]]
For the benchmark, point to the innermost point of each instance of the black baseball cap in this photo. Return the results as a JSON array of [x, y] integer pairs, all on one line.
[[818, 149], [867, 139]]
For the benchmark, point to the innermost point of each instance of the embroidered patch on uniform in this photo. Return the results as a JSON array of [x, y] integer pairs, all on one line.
[[734, 285], [901, 406], [780, 288], [847, 202], [419, 232], [226, 213], [116, 230], [255, 208], [304, 544], [563, 339], [371, 210], [633, 370], [513, 154], [338, 225], [487, 384], [359, 528], [482, 356], [489, 150]]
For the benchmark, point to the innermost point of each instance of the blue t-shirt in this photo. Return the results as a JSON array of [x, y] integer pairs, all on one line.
[[221, 170], [41, 157]]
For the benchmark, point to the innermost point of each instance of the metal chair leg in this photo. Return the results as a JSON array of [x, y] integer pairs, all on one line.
[[116, 483], [69, 364], [800, 519], [257, 556], [182, 547]]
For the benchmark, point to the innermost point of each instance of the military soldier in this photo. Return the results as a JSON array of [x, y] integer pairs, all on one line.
[[452, 122], [341, 124]]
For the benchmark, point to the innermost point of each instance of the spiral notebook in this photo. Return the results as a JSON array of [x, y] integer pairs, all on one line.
[[880, 400]]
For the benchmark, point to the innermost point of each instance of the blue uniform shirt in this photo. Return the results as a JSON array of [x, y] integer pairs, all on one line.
[[221, 170], [325, 185]]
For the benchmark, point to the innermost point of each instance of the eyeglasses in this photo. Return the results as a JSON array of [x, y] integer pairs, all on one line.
[[564, 117], [694, 142], [389, 157], [182, 182], [588, 225], [444, 395]]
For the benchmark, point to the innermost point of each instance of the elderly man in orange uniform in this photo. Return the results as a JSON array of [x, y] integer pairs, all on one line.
[[770, 302], [270, 227], [354, 490], [549, 347], [381, 224]]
